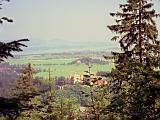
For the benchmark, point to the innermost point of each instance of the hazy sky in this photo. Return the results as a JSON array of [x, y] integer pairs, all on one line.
[[74, 20]]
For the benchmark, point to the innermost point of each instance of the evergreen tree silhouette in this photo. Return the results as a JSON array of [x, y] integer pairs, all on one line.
[[136, 77]]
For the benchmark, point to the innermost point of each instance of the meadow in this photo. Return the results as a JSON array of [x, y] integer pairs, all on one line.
[[58, 66]]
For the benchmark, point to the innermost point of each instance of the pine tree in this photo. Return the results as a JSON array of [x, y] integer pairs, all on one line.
[[24, 83], [7, 48], [9, 108], [97, 97], [135, 79], [48, 102], [24, 90], [54, 105]]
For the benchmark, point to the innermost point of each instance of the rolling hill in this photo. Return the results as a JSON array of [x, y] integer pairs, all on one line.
[[59, 46]]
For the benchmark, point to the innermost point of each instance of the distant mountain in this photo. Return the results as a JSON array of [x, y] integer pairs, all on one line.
[[59, 45]]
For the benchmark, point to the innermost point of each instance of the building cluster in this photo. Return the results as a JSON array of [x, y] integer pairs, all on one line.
[[92, 80]]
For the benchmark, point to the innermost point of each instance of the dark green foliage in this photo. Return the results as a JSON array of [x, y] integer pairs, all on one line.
[[7, 48], [10, 107], [13, 107], [24, 83], [97, 97], [3, 1], [60, 81], [55, 106], [136, 78]]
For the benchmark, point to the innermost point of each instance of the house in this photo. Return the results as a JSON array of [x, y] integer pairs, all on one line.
[[76, 78], [101, 82]]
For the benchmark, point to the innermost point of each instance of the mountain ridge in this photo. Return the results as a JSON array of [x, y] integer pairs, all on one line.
[[36, 46]]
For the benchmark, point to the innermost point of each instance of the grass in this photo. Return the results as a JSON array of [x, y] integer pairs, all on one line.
[[67, 70], [59, 66]]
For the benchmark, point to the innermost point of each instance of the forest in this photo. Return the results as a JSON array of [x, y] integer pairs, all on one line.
[[120, 85]]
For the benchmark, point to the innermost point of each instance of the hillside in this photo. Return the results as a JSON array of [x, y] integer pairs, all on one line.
[[88, 60], [61, 46]]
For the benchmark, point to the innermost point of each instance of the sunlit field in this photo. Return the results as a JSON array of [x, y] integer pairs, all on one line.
[[59, 66]]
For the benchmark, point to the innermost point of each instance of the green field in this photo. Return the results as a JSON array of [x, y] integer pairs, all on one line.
[[67, 70], [58, 66]]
